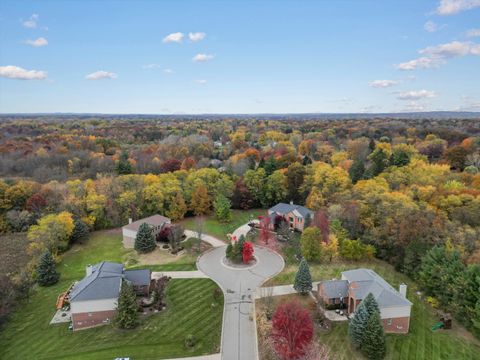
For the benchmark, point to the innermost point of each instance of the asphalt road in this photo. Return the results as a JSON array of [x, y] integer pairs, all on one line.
[[239, 338]]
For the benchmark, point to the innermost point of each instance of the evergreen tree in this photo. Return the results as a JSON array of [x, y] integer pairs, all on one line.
[[357, 325], [371, 305], [228, 252], [373, 342], [144, 241], [303, 279], [80, 231], [46, 272], [357, 170], [123, 166], [127, 314], [270, 165], [222, 208]]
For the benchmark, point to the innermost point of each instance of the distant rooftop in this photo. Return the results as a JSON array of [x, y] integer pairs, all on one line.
[[283, 208], [154, 220], [364, 281]]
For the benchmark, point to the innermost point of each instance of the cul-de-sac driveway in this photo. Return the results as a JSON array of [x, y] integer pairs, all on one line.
[[239, 338]]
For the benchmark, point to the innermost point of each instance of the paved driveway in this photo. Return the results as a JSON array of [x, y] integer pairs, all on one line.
[[239, 338]]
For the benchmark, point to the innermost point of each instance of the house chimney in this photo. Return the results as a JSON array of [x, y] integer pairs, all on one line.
[[89, 270], [129, 220], [403, 290]]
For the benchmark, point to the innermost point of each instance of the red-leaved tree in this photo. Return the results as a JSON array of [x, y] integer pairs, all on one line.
[[292, 330], [247, 252], [264, 228], [320, 220]]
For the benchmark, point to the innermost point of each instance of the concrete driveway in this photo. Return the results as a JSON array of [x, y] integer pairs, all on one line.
[[239, 337]]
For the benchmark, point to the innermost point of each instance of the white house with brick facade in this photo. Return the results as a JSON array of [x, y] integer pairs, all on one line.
[[355, 285]]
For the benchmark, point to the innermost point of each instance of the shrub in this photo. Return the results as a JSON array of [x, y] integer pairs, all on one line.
[[190, 341]]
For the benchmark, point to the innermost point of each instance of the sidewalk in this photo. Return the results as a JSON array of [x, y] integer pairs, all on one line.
[[207, 238], [278, 290]]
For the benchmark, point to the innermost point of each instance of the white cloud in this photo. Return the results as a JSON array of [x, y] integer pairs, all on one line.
[[420, 63], [151, 66], [38, 42], [174, 37], [168, 71], [31, 22], [15, 72], [101, 74], [448, 50], [451, 7], [431, 27], [435, 56], [383, 83], [201, 82], [416, 95], [202, 57], [196, 36], [473, 33]]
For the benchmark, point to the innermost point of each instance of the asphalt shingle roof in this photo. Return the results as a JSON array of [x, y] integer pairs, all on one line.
[[335, 288], [105, 281], [282, 208]]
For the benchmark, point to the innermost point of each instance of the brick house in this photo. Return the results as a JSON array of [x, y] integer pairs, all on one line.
[[94, 299], [294, 215], [129, 231], [355, 285]]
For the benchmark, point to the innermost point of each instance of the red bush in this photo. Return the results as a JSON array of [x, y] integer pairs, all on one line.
[[292, 330], [247, 252]]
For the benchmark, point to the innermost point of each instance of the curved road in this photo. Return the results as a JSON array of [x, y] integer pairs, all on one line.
[[239, 338]]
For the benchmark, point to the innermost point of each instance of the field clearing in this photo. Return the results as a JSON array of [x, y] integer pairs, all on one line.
[[220, 230]]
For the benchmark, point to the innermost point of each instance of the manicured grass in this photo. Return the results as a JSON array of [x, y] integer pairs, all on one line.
[[421, 342], [191, 309], [181, 266], [220, 230]]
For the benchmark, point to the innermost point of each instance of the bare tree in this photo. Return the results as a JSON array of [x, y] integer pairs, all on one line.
[[199, 228], [175, 236]]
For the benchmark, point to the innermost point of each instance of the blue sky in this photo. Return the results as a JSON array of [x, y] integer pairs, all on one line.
[[259, 56]]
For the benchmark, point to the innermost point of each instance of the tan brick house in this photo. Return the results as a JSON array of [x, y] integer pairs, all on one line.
[[355, 285], [295, 215]]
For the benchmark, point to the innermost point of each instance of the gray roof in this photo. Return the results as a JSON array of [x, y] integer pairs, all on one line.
[[154, 220], [365, 281], [335, 288], [282, 209], [105, 281], [138, 277]]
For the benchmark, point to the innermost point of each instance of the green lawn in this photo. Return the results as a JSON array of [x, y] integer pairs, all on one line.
[[220, 230], [420, 344], [191, 309]]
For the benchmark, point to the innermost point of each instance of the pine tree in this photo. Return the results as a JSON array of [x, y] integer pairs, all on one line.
[[357, 170], [357, 325], [303, 279], [123, 166], [144, 241], [127, 314], [46, 272], [80, 231], [371, 305], [373, 342]]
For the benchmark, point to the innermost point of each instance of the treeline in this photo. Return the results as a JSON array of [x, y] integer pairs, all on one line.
[[392, 186]]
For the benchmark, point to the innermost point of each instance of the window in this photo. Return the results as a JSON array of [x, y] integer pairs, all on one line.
[[291, 219]]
